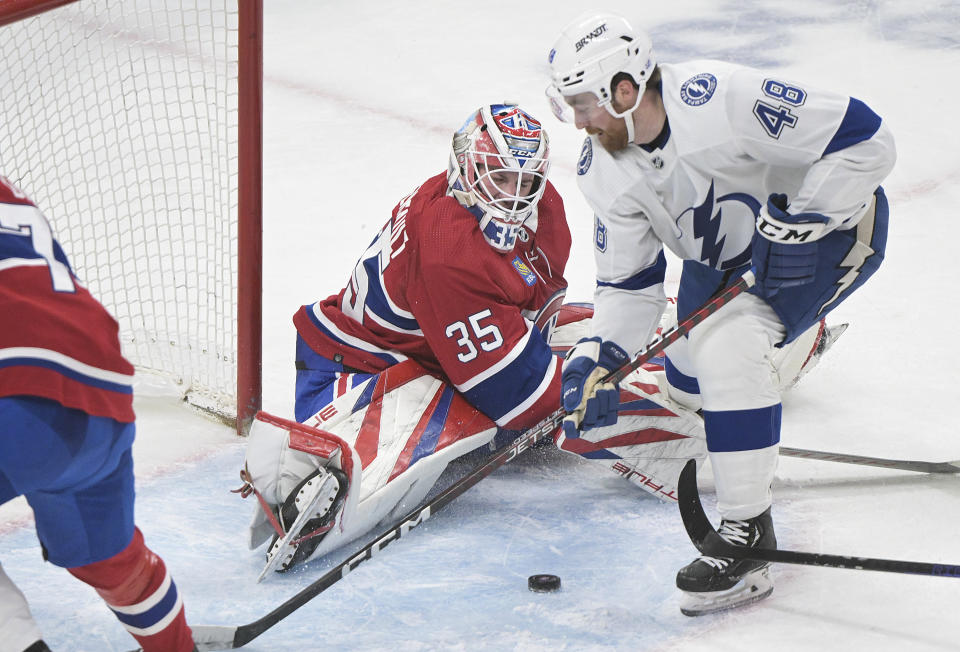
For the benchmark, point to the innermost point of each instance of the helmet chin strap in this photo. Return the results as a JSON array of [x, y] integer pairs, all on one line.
[[628, 118], [628, 115]]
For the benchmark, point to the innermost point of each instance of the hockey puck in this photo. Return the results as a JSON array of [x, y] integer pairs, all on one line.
[[543, 583]]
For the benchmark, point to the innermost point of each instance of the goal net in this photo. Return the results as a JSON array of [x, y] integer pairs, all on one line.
[[135, 126]]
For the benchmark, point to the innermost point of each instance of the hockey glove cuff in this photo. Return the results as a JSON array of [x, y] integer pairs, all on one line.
[[784, 248], [589, 402]]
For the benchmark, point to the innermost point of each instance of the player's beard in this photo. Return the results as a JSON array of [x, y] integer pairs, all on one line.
[[613, 138]]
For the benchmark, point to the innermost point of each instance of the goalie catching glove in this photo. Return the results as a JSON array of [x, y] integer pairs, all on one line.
[[784, 247], [589, 402]]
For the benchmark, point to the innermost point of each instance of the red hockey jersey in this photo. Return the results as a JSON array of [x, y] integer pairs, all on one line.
[[430, 288], [56, 340]]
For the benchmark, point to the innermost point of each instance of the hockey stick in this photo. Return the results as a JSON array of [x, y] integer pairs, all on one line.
[[674, 333], [904, 465], [214, 637], [217, 637], [710, 543]]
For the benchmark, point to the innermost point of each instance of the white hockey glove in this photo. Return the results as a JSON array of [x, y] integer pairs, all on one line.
[[588, 402], [785, 247]]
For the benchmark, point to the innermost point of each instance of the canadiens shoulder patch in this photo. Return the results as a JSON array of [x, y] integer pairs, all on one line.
[[698, 89], [586, 156], [524, 270]]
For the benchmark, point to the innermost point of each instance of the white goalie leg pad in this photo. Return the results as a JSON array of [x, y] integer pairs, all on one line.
[[274, 469], [308, 512], [400, 430], [651, 441], [574, 322], [795, 360], [407, 436]]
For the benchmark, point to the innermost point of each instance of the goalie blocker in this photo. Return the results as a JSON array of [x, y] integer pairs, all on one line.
[[376, 450]]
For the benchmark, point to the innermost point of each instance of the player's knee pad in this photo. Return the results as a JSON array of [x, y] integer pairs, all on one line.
[[731, 352]]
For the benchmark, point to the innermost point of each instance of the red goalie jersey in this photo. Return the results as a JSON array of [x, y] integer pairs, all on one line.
[[56, 340], [430, 288]]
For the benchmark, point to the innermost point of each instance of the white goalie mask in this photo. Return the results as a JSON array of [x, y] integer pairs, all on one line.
[[498, 170], [588, 54]]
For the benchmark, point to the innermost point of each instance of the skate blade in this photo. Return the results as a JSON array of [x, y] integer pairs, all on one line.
[[752, 588], [282, 549]]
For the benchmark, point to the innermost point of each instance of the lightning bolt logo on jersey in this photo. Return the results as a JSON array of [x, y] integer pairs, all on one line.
[[719, 249]]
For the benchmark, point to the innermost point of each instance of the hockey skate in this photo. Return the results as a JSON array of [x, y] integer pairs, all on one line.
[[306, 516], [717, 584]]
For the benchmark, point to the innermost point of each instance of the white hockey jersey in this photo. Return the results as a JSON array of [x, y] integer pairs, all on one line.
[[734, 135]]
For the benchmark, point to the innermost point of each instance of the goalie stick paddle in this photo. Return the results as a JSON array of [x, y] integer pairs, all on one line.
[[709, 542], [221, 637]]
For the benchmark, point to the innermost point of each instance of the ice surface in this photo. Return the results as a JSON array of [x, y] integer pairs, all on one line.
[[360, 100]]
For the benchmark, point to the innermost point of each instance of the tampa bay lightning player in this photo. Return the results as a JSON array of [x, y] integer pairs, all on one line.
[[731, 169]]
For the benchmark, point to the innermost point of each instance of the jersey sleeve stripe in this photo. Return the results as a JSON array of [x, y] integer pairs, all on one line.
[[499, 366], [67, 366], [645, 278], [330, 330], [389, 325], [378, 303], [517, 385], [859, 123], [531, 400], [10, 263]]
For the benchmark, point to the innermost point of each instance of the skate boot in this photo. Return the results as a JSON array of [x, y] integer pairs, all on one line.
[[716, 584], [306, 516]]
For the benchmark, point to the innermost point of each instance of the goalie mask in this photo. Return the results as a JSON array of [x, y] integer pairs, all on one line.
[[585, 58], [498, 170]]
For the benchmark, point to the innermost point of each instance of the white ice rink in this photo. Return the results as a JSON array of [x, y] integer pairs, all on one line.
[[360, 101]]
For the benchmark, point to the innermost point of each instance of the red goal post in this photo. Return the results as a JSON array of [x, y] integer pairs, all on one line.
[[136, 126]]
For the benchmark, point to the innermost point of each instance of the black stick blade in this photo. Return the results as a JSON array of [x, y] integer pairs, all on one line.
[[710, 543], [695, 520]]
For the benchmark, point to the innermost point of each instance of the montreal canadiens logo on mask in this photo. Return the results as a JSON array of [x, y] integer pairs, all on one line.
[[521, 132]]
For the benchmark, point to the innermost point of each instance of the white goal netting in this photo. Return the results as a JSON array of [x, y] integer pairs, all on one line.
[[119, 119]]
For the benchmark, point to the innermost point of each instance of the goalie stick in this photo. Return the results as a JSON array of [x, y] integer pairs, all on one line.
[[709, 542], [223, 637]]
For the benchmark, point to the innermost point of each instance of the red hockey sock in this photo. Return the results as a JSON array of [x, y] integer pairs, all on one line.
[[135, 585]]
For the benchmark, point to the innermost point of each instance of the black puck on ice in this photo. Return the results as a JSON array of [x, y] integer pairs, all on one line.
[[543, 583]]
